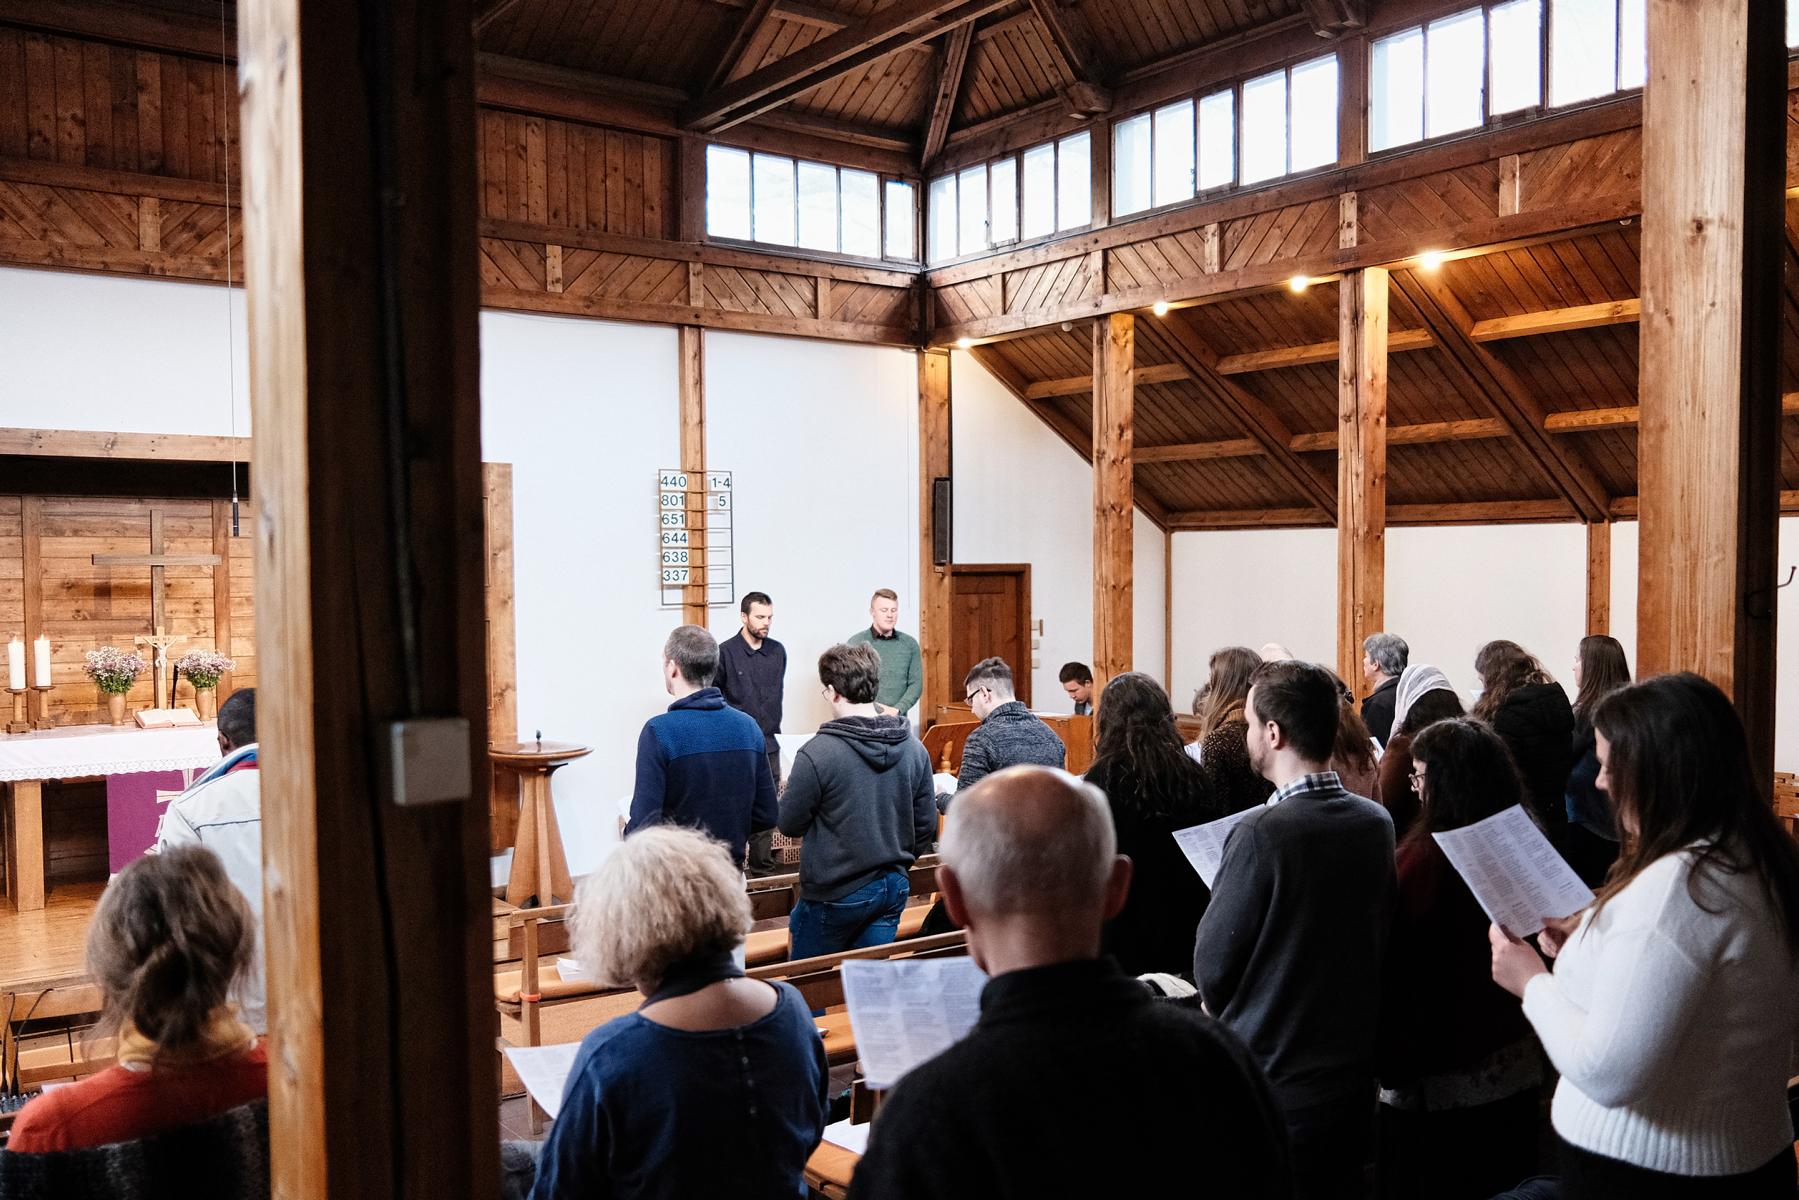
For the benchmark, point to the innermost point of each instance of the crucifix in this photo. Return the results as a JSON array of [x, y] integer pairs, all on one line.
[[158, 561]]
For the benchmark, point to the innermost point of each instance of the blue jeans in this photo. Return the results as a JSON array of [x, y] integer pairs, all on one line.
[[868, 916]]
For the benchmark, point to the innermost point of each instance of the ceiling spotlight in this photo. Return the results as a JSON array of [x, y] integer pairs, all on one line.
[[1299, 283], [964, 343], [1068, 327], [1430, 260], [1160, 308]]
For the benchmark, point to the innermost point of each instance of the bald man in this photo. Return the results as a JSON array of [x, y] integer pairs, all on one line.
[[1076, 1080]]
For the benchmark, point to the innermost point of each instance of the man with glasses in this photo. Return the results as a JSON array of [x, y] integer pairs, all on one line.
[[1010, 734]]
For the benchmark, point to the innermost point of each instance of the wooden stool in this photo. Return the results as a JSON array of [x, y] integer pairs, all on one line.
[[539, 868]]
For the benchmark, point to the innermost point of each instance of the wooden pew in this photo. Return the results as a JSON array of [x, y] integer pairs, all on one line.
[[62, 1010], [1786, 800], [944, 739]]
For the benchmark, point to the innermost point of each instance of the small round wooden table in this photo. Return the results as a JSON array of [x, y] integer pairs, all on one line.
[[539, 868]]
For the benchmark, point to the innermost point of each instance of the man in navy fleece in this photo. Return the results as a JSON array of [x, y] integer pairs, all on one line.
[[701, 763]]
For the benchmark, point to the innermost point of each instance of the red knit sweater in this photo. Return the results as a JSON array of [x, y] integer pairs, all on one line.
[[122, 1105]]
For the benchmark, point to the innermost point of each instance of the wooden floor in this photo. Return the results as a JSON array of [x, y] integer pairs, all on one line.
[[49, 943]]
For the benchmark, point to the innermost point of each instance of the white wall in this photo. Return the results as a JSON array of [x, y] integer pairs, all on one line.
[[586, 412], [1247, 587], [1022, 495], [95, 352], [822, 442]]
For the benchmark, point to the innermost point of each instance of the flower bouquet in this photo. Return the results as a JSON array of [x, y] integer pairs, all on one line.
[[114, 671], [203, 668]]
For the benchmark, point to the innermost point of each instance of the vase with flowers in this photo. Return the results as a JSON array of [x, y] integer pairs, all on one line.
[[203, 668], [114, 671]]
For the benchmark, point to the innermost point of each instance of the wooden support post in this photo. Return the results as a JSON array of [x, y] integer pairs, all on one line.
[[221, 591], [1714, 160], [934, 424], [1361, 466], [502, 652], [1114, 358], [693, 463], [364, 383], [1599, 577]]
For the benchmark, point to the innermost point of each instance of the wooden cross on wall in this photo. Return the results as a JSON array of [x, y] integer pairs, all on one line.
[[157, 560]]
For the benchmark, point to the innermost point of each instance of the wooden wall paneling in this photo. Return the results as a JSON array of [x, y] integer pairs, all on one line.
[[378, 915], [935, 420], [1714, 248], [502, 649], [1361, 468], [1114, 357], [692, 349], [1599, 577]]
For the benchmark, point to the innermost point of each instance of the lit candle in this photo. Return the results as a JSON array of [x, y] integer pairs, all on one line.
[[15, 665], [42, 647]]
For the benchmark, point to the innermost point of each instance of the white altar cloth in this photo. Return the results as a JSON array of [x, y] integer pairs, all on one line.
[[83, 751]]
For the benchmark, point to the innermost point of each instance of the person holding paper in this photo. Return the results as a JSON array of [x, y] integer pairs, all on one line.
[[1152, 789], [1673, 1007], [1075, 1081], [1460, 1070], [717, 1085], [1530, 711], [1289, 952]]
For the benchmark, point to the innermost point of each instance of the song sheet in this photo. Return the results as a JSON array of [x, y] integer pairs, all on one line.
[[1204, 844], [1514, 872], [544, 1072], [904, 1011]]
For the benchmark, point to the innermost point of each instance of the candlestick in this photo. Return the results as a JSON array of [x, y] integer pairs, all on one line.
[[15, 666], [41, 719], [18, 724], [41, 652]]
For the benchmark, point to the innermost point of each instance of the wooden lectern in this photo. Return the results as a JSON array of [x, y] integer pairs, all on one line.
[[539, 867]]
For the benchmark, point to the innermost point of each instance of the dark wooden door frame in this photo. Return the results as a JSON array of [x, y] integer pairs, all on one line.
[[1021, 672]]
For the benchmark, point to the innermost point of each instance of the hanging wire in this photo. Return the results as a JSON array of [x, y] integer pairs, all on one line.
[[230, 325]]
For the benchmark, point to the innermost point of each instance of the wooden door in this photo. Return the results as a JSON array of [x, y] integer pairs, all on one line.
[[990, 613]]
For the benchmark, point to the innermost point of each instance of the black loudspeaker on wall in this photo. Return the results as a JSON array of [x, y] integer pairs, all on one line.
[[940, 521]]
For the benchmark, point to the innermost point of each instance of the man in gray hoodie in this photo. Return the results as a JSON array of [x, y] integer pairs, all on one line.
[[860, 797]]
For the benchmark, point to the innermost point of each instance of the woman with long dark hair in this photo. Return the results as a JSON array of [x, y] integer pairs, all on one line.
[[1224, 731], [1590, 842], [1460, 1071], [1352, 755], [1528, 708], [1153, 789], [1672, 1009], [1425, 696]]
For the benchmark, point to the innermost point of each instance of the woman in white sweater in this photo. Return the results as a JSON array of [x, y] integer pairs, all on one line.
[[1672, 1011]]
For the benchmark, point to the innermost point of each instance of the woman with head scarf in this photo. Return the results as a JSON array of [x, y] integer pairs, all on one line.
[[1424, 696]]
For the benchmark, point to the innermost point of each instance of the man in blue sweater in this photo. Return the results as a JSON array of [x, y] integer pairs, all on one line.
[[701, 763]]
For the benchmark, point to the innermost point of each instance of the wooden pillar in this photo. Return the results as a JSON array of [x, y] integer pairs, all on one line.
[[1361, 466], [934, 417], [364, 384], [1714, 161], [1114, 358], [1599, 577], [693, 464]]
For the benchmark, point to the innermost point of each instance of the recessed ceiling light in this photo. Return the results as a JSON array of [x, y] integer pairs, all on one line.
[[1299, 283], [1160, 308]]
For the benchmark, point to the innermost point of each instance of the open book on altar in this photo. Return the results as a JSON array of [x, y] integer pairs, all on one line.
[[166, 718]]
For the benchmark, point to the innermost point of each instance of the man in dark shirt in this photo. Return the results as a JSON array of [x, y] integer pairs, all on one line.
[[1289, 951], [1077, 681], [701, 763], [1075, 1081], [1010, 735], [752, 671], [1384, 656]]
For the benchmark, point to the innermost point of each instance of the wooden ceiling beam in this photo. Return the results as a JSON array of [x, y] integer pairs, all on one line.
[[1256, 418], [1558, 320], [906, 23], [155, 447], [1484, 374], [1332, 17], [1198, 451], [1586, 420], [1478, 512], [744, 32], [951, 64], [1317, 352], [1073, 56]]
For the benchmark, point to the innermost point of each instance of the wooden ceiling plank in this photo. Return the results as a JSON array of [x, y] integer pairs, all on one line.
[[1255, 417], [1444, 315], [1198, 451], [1558, 320], [1317, 352], [1625, 416], [907, 23], [731, 55], [1074, 58], [951, 66]]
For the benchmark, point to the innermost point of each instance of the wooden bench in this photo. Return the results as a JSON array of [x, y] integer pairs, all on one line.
[[1786, 800], [72, 1003]]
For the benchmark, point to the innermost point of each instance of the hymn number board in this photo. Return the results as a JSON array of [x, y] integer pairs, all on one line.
[[694, 513]]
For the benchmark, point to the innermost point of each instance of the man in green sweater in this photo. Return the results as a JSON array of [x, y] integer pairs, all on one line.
[[902, 667]]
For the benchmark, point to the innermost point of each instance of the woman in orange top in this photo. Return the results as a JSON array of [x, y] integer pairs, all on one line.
[[169, 939]]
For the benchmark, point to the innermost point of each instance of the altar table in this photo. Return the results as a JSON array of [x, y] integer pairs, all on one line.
[[80, 752]]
